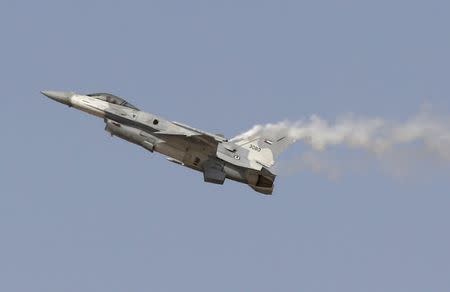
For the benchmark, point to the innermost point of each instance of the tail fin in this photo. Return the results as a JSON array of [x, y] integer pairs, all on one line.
[[265, 150]]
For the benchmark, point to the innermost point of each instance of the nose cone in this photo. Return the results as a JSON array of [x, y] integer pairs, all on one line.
[[59, 96]]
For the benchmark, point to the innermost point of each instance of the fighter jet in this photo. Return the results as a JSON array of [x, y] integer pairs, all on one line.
[[246, 160]]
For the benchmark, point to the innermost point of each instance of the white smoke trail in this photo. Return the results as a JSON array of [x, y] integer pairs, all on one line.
[[427, 131]]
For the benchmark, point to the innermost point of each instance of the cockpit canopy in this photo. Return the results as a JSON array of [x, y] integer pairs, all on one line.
[[112, 99]]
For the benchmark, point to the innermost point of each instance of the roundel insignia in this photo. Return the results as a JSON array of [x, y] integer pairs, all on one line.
[[237, 157]]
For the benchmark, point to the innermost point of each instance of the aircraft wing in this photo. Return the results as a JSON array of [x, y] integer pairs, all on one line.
[[218, 138], [191, 134], [197, 138]]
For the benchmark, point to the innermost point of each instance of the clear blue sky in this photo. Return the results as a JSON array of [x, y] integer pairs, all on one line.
[[81, 211]]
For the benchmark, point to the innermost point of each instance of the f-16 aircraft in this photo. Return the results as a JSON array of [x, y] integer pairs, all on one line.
[[246, 160]]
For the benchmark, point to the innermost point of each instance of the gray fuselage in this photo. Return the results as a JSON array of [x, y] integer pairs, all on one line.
[[182, 144]]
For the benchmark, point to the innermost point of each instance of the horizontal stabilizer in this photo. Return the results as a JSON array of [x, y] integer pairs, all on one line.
[[265, 150]]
